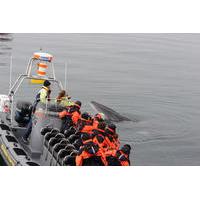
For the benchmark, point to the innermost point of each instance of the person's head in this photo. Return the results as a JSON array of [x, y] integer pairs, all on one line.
[[78, 104], [85, 136], [46, 84], [99, 116], [91, 148], [86, 116], [126, 149], [62, 93], [116, 136], [111, 129], [101, 125]]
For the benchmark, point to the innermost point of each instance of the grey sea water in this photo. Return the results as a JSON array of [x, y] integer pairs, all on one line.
[[151, 78]]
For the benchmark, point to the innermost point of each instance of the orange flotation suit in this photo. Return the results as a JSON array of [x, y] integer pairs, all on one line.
[[94, 151], [64, 113], [87, 129], [99, 138], [95, 124], [120, 155], [76, 115], [110, 142]]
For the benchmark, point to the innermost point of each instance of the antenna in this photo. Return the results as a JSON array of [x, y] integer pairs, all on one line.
[[10, 84], [65, 85]]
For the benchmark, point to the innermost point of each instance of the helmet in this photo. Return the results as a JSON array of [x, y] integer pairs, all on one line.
[[46, 83]]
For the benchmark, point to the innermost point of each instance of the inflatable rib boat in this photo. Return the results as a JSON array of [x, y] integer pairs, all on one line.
[[47, 146], [43, 149]]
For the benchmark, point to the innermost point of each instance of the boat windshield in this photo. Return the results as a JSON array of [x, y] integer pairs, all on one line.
[[47, 114], [27, 92]]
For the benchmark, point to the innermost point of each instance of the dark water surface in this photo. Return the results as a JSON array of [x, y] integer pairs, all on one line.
[[151, 78]]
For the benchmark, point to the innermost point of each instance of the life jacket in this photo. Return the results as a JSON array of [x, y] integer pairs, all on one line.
[[116, 142], [111, 139], [71, 112], [64, 101], [86, 138], [95, 123], [110, 142], [64, 113], [87, 129], [113, 161], [43, 95], [84, 125], [76, 116], [123, 158], [88, 151], [98, 131], [99, 138]]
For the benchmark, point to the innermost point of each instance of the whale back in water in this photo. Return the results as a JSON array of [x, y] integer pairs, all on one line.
[[109, 113]]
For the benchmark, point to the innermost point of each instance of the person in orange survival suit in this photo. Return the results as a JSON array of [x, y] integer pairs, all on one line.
[[111, 137], [90, 155], [99, 135], [72, 114], [99, 117], [84, 124], [119, 157], [96, 135], [83, 130], [76, 113]]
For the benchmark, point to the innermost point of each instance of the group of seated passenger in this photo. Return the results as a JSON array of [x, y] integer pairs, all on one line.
[[95, 139]]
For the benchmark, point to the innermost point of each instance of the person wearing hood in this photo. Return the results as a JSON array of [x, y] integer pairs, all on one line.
[[64, 99], [70, 116], [111, 137], [119, 157], [90, 155]]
